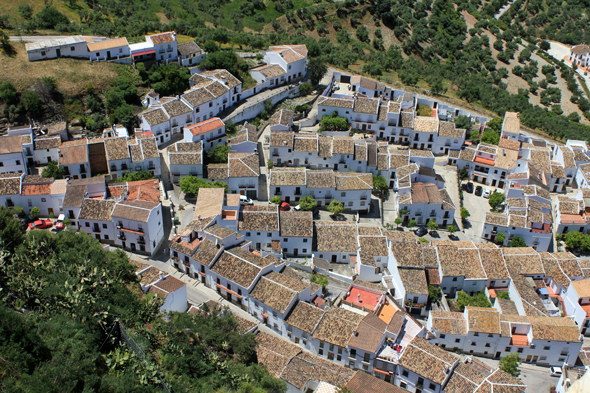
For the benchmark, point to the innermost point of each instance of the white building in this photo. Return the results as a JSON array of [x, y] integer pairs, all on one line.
[[95, 219], [118, 157], [74, 46], [157, 122], [291, 58], [190, 54], [73, 157], [240, 173], [185, 158], [268, 76], [246, 141], [144, 154], [427, 202], [577, 304], [209, 132], [46, 149], [12, 158], [580, 55], [116, 50], [139, 224], [46, 194], [174, 292]]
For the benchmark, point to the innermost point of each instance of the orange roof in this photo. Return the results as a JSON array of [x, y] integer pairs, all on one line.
[[145, 190], [573, 218], [107, 44], [485, 161], [205, 126], [36, 189]]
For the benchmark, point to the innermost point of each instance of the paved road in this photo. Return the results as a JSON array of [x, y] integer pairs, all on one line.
[[38, 38], [535, 377], [449, 173]]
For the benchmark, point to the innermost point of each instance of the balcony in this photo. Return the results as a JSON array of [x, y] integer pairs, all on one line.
[[9, 204], [433, 214], [297, 192], [161, 51], [96, 229], [419, 214], [494, 232], [363, 198], [141, 240], [169, 50], [245, 186], [121, 236], [151, 167], [123, 167], [519, 340], [136, 231], [113, 168], [278, 193], [215, 138]]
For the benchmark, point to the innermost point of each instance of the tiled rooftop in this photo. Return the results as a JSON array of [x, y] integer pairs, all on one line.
[[427, 360], [335, 237], [337, 325], [296, 223], [305, 316], [259, 218]]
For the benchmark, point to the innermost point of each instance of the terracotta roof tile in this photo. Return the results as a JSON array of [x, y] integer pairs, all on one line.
[[294, 223], [336, 237], [205, 126], [259, 218], [414, 281], [243, 165], [336, 326], [97, 209], [427, 360], [304, 316]]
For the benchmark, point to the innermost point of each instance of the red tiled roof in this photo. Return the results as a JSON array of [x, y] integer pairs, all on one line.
[[205, 126], [36, 189], [484, 161]]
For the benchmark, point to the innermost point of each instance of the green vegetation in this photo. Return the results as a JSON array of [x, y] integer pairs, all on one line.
[[517, 241], [509, 364], [276, 200], [317, 70], [503, 295], [465, 213], [424, 110], [336, 207], [496, 198], [434, 294], [477, 300], [270, 164], [422, 240], [307, 203], [412, 223], [35, 212], [452, 229], [334, 123], [319, 279], [490, 136], [432, 225], [135, 176], [380, 183], [463, 174], [500, 238], [62, 295], [191, 184], [53, 170], [217, 155], [398, 222], [576, 240]]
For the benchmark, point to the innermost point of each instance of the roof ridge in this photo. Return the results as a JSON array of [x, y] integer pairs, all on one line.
[[428, 353], [245, 260]]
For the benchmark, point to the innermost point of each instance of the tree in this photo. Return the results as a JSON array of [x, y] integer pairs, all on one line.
[[463, 174], [432, 225], [53, 170], [218, 155], [509, 364], [336, 207], [11, 230], [135, 176], [465, 213], [478, 300], [574, 117], [398, 221], [362, 33], [317, 69], [412, 223], [490, 136], [576, 240], [434, 294], [517, 241], [463, 122], [319, 279], [379, 183], [31, 102], [276, 199], [25, 11], [191, 184], [307, 203], [452, 229], [500, 238], [333, 123], [544, 45], [8, 93], [34, 213], [496, 198], [503, 295]]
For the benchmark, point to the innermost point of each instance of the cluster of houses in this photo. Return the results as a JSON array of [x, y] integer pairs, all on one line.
[[160, 48]]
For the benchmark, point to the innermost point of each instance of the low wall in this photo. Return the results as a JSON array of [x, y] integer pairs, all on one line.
[[257, 107], [300, 266]]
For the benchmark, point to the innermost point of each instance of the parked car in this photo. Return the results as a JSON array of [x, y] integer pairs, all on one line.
[[244, 200], [284, 207], [421, 231], [469, 188], [555, 371], [487, 193], [478, 190], [59, 224], [40, 224]]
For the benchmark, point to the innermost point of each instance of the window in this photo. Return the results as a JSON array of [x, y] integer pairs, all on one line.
[[343, 194], [352, 352], [321, 344], [257, 233], [331, 347], [405, 373], [473, 343], [1, 164], [285, 239], [402, 385], [519, 350], [304, 250], [442, 335], [42, 53], [17, 162], [321, 351], [72, 48], [304, 240], [339, 349], [457, 340], [104, 226], [349, 204], [507, 349], [476, 334], [561, 359], [87, 224], [487, 345], [431, 386], [366, 358], [420, 381], [247, 233], [106, 237], [454, 278], [339, 357], [546, 348], [330, 356]]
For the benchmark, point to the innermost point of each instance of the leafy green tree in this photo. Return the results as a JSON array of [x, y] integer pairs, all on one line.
[[317, 69], [336, 207], [135, 176], [270, 164], [53, 170], [32, 104], [465, 213], [496, 198], [463, 174], [574, 117], [463, 122], [379, 183], [221, 59], [191, 185], [503, 295], [218, 155], [398, 221], [307, 203], [452, 229], [575, 240], [362, 33], [268, 105], [11, 230], [34, 213], [517, 241], [544, 45], [8, 93], [276, 200], [490, 136], [334, 123], [474, 135], [500, 238], [49, 17], [478, 300], [412, 223], [509, 364], [434, 294], [432, 225], [25, 11]]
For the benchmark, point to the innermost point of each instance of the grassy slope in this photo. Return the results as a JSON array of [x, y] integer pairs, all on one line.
[[11, 8]]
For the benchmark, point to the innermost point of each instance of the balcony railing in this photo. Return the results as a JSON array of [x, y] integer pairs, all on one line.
[[363, 198], [95, 229], [141, 241], [121, 236], [151, 167], [122, 228]]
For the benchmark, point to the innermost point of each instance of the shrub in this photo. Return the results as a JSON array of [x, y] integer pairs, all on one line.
[[35, 213], [412, 223], [307, 203], [19, 211], [434, 294], [333, 123], [67, 223], [500, 238], [51, 215], [306, 88], [276, 200], [270, 164], [517, 241], [503, 295], [336, 207]]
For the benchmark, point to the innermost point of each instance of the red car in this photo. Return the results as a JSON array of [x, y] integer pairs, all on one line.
[[284, 207], [40, 224]]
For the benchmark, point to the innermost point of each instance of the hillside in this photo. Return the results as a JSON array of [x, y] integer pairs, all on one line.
[[426, 44]]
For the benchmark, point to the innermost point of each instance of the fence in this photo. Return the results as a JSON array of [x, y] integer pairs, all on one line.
[[130, 342]]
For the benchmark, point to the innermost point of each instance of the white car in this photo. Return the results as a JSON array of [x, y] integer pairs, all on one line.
[[244, 200], [555, 371], [487, 192]]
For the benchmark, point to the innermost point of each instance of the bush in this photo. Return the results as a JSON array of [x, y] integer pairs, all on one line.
[[496, 198], [336, 207], [53, 170], [218, 155], [509, 364], [307, 203], [34, 214], [503, 295], [412, 223], [517, 241], [319, 279], [191, 185], [306, 88], [434, 294], [276, 200], [500, 238], [67, 223], [135, 176], [18, 210], [333, 123], [478, 300], [51, 215], [270, 164]]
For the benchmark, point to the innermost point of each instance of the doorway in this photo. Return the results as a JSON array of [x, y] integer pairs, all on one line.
[[132, 246], [50, 211], [333, 258], [58, 52]]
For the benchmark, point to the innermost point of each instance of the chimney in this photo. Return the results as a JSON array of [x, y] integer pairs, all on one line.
[[359, 297], [161, 274], [223, 79]]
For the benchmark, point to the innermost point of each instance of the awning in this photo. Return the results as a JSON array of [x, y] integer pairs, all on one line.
[[145, 52]]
